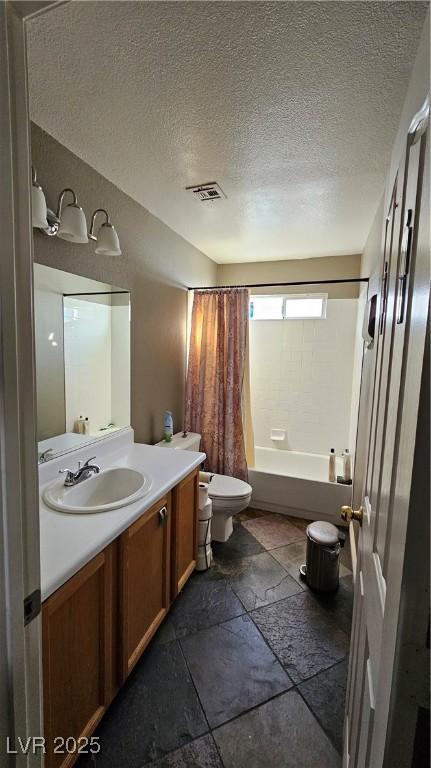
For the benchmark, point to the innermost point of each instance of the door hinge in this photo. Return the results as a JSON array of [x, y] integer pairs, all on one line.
[[32, 606]]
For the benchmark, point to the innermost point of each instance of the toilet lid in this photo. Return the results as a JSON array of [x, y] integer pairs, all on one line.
[[225, 487]]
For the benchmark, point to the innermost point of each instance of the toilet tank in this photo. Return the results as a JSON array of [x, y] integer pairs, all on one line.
[[190, 442]]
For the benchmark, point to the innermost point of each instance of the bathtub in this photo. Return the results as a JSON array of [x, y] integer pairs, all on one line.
[[296, 483]]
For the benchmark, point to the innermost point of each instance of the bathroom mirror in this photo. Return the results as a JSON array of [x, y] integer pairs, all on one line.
[[82, 331]]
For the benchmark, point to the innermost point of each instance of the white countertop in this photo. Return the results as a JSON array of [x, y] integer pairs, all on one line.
[[67, 541]]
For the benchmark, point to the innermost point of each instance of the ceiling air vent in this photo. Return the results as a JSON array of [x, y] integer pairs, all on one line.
[[209, 191]]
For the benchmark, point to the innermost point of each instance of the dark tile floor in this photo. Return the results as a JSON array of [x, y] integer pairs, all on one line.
[[248, 669]]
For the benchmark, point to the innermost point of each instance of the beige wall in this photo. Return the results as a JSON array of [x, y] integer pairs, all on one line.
[[325, 268], [155, 266]]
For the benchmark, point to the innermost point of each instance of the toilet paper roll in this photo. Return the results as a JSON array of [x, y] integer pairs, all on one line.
[[203, 494], [205, 477], [204, 559], [204, 533], [206, 511]]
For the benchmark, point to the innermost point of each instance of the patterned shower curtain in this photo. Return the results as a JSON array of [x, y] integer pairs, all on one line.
[[215, 377]]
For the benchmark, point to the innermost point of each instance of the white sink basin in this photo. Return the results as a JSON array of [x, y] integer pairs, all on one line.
[[110, 489]]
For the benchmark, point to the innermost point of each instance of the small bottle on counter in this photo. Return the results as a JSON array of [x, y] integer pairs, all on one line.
[[347, 467], [78, 427], [86, 426], [168, 427], [332, 475]]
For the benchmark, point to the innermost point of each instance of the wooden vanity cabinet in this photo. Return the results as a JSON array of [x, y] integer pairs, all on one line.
[[144, 576], [184, 531], [77, 627], [96, 626]]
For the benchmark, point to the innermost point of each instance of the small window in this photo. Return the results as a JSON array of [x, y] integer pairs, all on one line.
[[293, 307], [305, 307], [266, 307]]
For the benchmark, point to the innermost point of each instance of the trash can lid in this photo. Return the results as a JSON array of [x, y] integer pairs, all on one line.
[[323, 533]]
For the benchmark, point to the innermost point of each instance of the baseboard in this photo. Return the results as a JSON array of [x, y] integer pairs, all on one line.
[[305, 514]]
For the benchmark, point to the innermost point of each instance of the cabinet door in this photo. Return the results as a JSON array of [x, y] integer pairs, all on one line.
[[144, 574], [77, 656], [185, 539]]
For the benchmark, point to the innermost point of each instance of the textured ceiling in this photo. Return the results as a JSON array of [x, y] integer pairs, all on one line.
[[291, 106]]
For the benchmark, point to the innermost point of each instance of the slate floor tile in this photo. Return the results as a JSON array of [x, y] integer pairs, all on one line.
[[294, 555], [259, 580], [233, 669], [240, 544], [166, 632], [202, 603], [339, 604], [279, 734], [346, 555], [303, 634], [325, 694], [300, 522], [156, 711], [291, 557], [250, 514], [274, 530], [201, 753]]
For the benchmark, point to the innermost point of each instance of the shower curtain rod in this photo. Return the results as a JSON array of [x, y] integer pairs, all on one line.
[[94, 293], [280, 285]]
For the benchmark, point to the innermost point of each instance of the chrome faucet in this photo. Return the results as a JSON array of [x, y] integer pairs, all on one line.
[[44, 456], [83, 472]]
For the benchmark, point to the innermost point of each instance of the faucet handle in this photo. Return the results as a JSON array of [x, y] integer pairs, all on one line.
[[86, 463], [67, 472]]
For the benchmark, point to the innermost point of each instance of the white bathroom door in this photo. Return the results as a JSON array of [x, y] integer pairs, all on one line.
[[399, 348]]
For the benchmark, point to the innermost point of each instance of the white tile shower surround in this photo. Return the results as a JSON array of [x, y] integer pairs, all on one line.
[[87, 362], [120, 368], [97, 363], [301, 379]]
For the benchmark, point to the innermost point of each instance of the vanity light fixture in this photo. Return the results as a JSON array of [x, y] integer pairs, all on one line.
[[72, 222], [38, 204], [69, 223], [107, 240]]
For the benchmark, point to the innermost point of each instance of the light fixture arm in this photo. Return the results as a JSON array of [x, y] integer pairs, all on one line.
[[93, 221], [34, 176], [61, 197]]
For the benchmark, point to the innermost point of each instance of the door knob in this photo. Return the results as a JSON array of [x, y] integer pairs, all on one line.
[[348, 514]]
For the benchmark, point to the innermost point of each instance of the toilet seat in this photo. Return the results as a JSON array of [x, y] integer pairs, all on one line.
[[228, 488]]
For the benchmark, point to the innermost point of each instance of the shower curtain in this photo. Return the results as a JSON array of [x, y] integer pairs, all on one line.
[[214, 404]]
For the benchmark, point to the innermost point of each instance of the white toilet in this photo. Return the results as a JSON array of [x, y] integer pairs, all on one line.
[[228, 494]]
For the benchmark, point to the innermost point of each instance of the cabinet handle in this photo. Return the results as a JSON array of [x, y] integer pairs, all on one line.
[[163, 512]]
